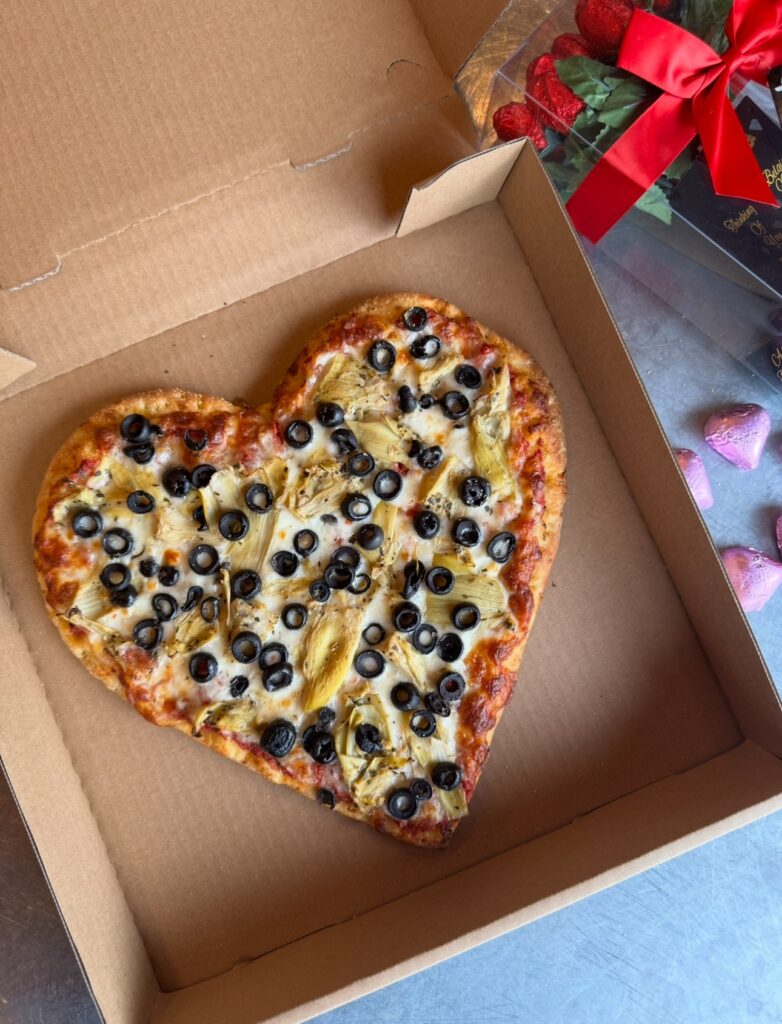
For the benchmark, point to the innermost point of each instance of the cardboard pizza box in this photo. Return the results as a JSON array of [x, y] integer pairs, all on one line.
[[187, 197]]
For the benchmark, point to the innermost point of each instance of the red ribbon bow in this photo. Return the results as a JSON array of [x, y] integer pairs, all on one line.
[[694, 81]]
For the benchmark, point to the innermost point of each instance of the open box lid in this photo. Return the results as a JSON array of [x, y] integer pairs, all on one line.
[[159, 166]]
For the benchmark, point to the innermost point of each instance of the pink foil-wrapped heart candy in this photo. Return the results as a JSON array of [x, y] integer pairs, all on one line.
[[694, 472], [739, 434], [779, 533], [755, 576]]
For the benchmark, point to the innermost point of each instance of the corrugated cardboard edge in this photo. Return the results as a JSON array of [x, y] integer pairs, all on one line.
[[638, 441], [12, 367], [490, 899], [81, 875]]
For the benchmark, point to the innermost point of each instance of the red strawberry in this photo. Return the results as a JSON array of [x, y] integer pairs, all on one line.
[[603, 23], [516, 121], [571, 45]]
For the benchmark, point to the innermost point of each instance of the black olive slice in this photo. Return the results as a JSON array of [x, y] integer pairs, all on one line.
[[426, 524], [424, 638], [210, 609], [360, 464], [329, 414], [123, 597], [202, 474], [450, 686], [305, 543], [421, 789], [320, 591], [298, 434], [468, 376], [115, 575], [401, 804], [277, 677], [466, 532], [202, 666], [272, 654], [196, 440], [455, 405], [319, 745], [147, 634], [387, 485], [414, 573], [239, 685], [194, 595], [326, 798], [415, 448], [339, 575], [177, 482], [373, 634], [234, 524], [368, 738], [407, 400], [422, 723], [430, 457], [369, 664], [148, 567], [370, 536], [381, 356], [415, 318], [140, 502], [437, 705], [86, 522], [246, 646], [405, 697], [259, 498], [501, 547], [440, 580], [427, 401], [140, 453], [406, 617], [356, 507], [135, 428], [425, 348], [446, 775], [345, 440], [465, 616], [294, 616], [199, 517], [327, 517], [166, 607], [361, 583], [348, 555], [203, 559], [450, 647], [117, 542], [168, 575], [278, 738], [474, 490], [326, 717], [245, 585]]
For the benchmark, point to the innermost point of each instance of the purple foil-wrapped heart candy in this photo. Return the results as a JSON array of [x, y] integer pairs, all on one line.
[[739, 434], [694, 472], [755, 576]]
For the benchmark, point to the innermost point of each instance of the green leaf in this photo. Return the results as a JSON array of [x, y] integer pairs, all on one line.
[[655, 203], [621, 107], [706, 19], [586, 78], [682, 163]]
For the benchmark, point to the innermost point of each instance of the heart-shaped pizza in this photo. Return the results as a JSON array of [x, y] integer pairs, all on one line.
[[334, 589]]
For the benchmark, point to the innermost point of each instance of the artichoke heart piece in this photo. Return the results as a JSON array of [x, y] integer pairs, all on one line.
[[275, 475], [429, 752], [227, 716], [456, 561], [84, 498], [225, 603], [174, 525], [371, 787], [436, 487], [211, 508], [352, 385], [129, 476], [106, 633], [486, 592], [385, 440], [401, 653], [489, 431], [91, 600], [332, 637], [319, 489], [370, 712], [228, 488], [191, 633], [251, 552], [431, 376], [385, 516]]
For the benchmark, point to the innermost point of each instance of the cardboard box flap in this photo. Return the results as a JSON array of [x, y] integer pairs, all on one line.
[[116, 116], [476, 179], [455, 27]]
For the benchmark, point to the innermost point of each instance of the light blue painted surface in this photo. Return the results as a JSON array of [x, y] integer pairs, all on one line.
[[697, 940]]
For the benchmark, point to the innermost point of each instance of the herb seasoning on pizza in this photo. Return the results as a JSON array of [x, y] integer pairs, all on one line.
[[334, 589]]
